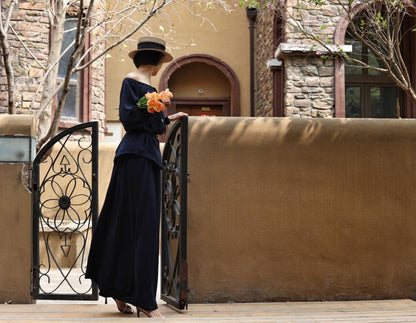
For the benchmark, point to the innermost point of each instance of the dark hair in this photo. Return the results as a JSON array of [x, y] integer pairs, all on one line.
[[147, 57]]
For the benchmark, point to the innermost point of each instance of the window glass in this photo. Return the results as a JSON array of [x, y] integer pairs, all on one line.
[[353, 102], [368, 93], [67, 45], [373, 61], [383, 102], [71, 107], [357, 54]]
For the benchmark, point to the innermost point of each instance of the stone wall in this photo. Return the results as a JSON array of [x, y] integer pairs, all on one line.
[[318, 20], [30, 22], [264, 51], [29, 52], [309, 77], [98, 75], [309, 90]]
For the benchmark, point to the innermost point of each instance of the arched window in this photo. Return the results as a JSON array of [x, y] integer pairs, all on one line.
[[368, 93], [360, 92]]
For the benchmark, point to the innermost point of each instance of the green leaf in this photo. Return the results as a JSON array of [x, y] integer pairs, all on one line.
[[142, 103]]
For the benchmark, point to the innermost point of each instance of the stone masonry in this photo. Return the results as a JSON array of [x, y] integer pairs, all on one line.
[[29, 47], [30, 22], [264, 51], [309, 90], [309, 75]]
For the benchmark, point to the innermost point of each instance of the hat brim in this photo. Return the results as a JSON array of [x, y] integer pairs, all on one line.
[[166, 56]]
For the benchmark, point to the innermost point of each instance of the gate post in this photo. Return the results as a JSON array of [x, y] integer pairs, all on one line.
[[17, 133]]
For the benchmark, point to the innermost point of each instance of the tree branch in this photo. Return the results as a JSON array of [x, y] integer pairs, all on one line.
[[6, 59], [152, 12]]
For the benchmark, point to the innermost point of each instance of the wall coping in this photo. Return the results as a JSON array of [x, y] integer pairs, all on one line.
[[17, 124], [286, 49]]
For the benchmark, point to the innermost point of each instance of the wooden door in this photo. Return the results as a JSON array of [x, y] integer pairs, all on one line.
[[202, 108]]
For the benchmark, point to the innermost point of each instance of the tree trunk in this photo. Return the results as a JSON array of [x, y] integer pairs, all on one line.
[[5, 50], [57, 31], [9, 72], [78, 49]]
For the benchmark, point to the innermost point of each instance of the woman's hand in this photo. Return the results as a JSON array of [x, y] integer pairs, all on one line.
[[177, 116]]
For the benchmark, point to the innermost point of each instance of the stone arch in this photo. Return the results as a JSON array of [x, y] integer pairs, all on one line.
[[212, 61], [339, 76]]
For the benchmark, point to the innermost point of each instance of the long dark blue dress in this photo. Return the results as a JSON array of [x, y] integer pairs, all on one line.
[[123, 258]]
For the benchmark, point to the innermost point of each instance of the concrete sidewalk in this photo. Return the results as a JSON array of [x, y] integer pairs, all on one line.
[[354, 311]]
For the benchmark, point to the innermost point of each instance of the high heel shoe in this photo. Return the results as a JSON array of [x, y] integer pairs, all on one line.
[[150, 314], [123, 307]]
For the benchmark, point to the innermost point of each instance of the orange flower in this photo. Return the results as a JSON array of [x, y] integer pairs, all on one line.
[[155, 106], [165, 95], [152, 96], [154, 101]]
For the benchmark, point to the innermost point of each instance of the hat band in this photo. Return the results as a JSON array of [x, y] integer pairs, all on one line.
[[150, 46]]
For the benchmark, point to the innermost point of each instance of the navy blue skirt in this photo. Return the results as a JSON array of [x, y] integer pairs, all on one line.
[[124, 253]]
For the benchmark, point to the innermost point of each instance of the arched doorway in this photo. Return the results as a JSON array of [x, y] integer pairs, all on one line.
[[202, 86]]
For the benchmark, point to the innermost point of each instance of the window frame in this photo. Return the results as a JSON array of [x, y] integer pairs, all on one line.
[[83, 109]]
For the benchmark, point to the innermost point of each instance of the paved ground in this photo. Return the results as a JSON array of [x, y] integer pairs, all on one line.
[[367, 311]]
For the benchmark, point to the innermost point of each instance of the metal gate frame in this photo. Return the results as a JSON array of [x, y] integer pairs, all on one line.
[[88, 154], [174, 267]]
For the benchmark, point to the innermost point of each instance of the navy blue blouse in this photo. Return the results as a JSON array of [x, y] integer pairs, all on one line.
[[141, 126]]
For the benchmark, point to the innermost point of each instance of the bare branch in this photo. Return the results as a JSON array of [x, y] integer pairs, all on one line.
[[9, 12], [152, 12], [6, 58]]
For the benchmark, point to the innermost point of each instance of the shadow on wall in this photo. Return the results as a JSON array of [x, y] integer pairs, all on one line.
[[301, 209]]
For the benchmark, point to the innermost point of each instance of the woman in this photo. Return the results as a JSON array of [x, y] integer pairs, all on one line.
[[123, 258]]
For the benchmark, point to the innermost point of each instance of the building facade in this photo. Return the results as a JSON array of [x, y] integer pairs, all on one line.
[[315, 84], [29, 41], [252, 62]]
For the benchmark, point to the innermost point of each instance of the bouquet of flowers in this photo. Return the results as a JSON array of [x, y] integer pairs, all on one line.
[[155, 102]]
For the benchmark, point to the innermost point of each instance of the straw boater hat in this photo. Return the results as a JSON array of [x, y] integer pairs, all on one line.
[[152, 43]]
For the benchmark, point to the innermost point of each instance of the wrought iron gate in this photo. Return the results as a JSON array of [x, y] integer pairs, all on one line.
[[65, 190], [174, 289]]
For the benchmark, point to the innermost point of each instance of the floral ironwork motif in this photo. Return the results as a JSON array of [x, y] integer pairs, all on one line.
[[174, 289], [65, 210]]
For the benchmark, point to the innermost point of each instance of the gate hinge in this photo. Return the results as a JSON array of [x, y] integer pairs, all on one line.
[[34, 282]]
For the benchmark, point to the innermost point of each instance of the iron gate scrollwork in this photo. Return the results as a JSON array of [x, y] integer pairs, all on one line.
[[174, 275], [65, 206]]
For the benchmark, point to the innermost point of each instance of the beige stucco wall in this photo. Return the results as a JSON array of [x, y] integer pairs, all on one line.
[[224, 36], [278, 209], [15, 219], [192, 77], [301, 209], [16, 234]]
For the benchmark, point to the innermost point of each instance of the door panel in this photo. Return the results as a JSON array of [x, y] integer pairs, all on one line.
[[201, 110]]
